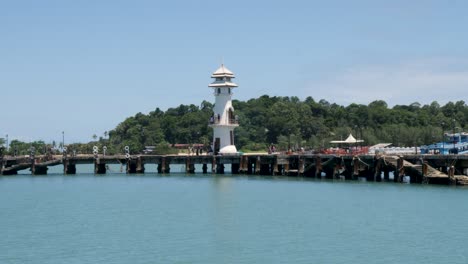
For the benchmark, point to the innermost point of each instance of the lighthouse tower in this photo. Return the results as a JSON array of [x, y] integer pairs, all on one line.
[[223, 120]]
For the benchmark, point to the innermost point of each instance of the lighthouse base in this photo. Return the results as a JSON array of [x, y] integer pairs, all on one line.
[[229, 149]]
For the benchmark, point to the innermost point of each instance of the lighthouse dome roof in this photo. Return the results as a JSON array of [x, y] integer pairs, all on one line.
[[223, 78], [223, 71]]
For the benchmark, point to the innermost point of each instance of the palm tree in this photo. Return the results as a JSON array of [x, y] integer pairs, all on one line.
[[94, 137]]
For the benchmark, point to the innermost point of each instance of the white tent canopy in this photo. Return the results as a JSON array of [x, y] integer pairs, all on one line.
[[349, 140]]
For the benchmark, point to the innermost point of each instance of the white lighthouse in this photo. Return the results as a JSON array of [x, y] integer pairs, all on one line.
[[223, 120]]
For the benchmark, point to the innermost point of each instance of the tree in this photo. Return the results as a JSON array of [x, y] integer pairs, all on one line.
[[267, 120]]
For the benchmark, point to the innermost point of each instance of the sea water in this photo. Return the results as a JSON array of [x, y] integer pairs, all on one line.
[[179, 218]]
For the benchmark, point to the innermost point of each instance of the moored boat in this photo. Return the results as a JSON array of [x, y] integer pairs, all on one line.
[[453, 143]]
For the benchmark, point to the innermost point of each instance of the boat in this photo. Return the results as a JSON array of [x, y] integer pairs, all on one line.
[[453, 143]]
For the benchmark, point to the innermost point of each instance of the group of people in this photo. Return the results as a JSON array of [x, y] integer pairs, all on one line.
[[212, 119], [271, 149], [195, 151]]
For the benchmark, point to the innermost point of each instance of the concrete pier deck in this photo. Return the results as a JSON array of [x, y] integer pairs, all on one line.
[[436, 169]]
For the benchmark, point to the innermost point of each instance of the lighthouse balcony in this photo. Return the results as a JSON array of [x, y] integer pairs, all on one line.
[[231, 121]]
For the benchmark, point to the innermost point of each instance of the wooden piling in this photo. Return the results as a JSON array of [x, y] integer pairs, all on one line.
[[336, 171], [131, 166], [249, 166], [69, 167], [451, 175], [355, 168], [257, 165], [386, 172], [164, 167], [424, 171], [38, 170], [265, 169], [328, 172], [377, 169], [301, 166], [235, 168], [401, 170], [244, 160], [286, 168], [140, 166], [213, 165], [275, 167], [189, 166], [192, 168], [100, 168], [318, 167], [220, 168]]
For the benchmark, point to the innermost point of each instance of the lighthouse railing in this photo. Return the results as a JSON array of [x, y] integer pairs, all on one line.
[[231, 121]]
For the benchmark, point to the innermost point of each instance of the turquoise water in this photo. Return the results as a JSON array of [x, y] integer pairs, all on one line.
[[227, 219]]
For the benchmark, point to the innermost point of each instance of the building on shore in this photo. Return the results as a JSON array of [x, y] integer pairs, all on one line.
[[223, 121]]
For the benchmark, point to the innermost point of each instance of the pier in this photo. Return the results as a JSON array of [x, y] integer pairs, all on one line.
[[426, 169]]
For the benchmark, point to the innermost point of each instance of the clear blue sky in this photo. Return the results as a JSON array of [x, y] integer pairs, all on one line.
[[84, 66]]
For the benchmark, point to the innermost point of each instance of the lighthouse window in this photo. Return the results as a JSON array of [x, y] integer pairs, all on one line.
[[228, 79], [229, 90], [219, 90], [219, 79]]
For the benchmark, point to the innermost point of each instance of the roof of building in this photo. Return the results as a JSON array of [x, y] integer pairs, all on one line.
[[222, 84], [349, 140], [222, 72], [223, 78], [380, 145], [181, 146]]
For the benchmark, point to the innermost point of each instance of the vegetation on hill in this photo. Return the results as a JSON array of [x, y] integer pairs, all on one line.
[[282, 121]]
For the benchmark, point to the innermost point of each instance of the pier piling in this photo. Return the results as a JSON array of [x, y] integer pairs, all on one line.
[[249, 166], [421, 169], [99, 167], [69, 167], [220, 168], [131, 166], [140, 166], [213, 165], [163, 166], [318, 167], [235, 168], [386, 172], [275, 167], [38, 170], [378, 169]]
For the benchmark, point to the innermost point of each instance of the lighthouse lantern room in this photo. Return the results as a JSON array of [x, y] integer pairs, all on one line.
[[223, 121]]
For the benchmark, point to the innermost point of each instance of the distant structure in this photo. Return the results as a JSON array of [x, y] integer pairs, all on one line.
[[223, 121], [453, 143]]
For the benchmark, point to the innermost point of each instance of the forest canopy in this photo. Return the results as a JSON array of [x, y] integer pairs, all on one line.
[[281, 121]]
